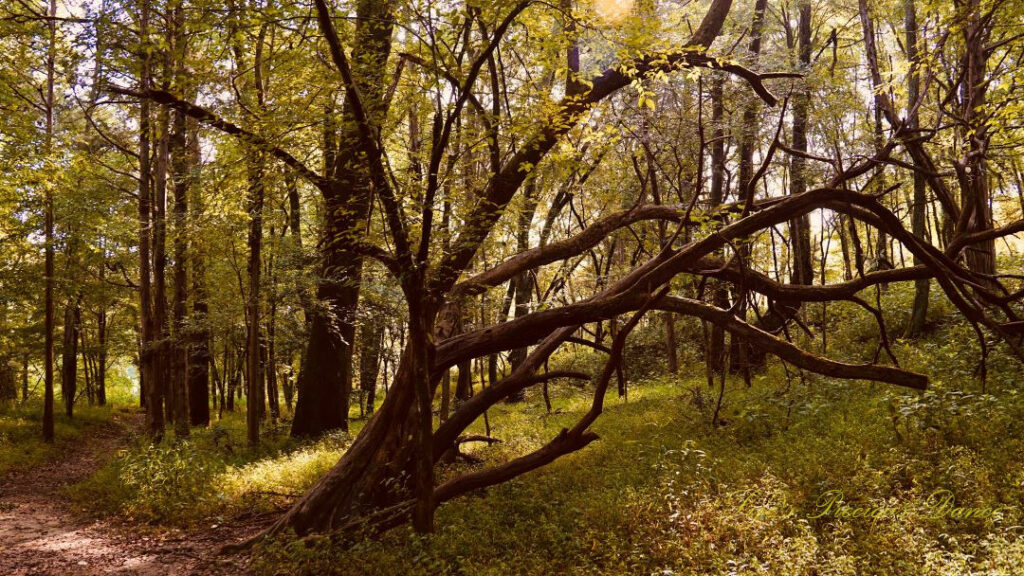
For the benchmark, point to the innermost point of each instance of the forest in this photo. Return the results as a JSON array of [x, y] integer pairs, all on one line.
[[492, 287]]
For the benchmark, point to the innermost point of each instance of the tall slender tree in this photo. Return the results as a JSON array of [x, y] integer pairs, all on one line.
[[182, 161], [152, 381], [800, 228], [51, 57], [972, 169], [919, 206]]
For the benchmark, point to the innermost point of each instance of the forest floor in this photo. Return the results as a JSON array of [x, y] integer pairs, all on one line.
[[43, 532], [666, 490]]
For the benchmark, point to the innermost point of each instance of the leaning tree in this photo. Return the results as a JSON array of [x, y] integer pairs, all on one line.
[[387, 476]]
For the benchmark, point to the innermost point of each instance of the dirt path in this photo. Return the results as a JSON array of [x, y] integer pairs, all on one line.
[[40, 533]]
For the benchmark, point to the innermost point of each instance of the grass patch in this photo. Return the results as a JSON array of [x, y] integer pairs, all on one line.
[[663, 491], [21, 433], [213, 474]]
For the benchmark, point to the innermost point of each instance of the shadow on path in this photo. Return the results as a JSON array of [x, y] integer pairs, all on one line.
[[41, 533]]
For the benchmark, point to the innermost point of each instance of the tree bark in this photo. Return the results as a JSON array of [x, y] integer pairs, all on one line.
[[524, 281], [739, 350], [716, 351], [182, 167], [371, 336], [919, 215], [149, 330], [254, 377], [325, 378], [24, 377], [255, 93], [273, 396], [670, 343], [51, 55], [199, 356], [800, 229], [800, 257], [232, 375], [972, 170], [69, 354], [101, 351]]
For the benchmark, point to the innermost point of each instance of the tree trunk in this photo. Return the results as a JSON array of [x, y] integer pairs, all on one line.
[[254, 379], [288, 386], [800, 229], [254, 93], [671, 347], [492, 360], [371, 336], [161, 332], [359, 483], [69, 355], [101, 356], [232, 378], [740, 350], [716, 351], [919, 215], [464, 382], [270, 371], [87, 367], [182, 168], [972, 171], [802, 269], [295, 233], [325, 378], [882, 257], [199, 356], [51, 54], [8, 386], [24, 377], [524, 281]]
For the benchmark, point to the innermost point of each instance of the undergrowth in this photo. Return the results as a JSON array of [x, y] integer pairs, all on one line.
[[21, 433], [663, 492], [211, 474], [802, 475]]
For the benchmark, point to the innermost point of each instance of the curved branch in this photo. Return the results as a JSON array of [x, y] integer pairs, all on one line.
[[562, 444], [555, 251], [789, 352], [380, 255], [210, 119], [964, 240], [614, 362], [627, 293], [567, 440], [588, 343], [763, 284], [503, 186]]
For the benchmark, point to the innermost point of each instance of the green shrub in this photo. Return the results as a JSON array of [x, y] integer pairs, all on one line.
[[168, 482]]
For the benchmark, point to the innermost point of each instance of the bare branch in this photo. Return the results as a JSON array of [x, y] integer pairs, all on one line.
[[210, 119], [789, 352]]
